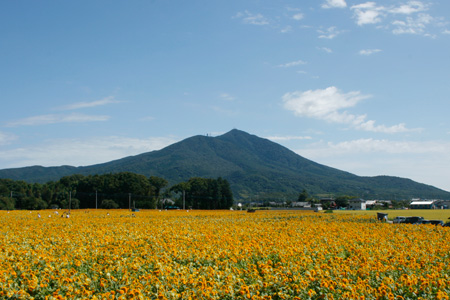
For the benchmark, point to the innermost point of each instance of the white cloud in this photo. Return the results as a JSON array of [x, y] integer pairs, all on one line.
[[298, 16], [81, 152], [288, 138], [412, 25], [6, 138], [80, 105], [322, 104], [57, 118], [406, 18], [409, 8], [334, 3], [370, 126], [292, 64], [327, 50], [370, 145], [327, 105], [446, 31], [367, 13], [329, 33], [253, 19], [368, 52]]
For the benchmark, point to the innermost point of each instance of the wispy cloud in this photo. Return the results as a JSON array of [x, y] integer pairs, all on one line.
[[286, 29], [410, 8], [227, 97], [251, 18], [288, 138], [6, 138], [292, 64], [368, 52], [370, 145], [328, 105], [56, 118], [334, 4], [329, 33], [412, 25], [325, 49], [298, 16], [80, 105]]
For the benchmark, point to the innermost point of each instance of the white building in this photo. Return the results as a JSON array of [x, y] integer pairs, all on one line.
[[428, 204], [357, 204]]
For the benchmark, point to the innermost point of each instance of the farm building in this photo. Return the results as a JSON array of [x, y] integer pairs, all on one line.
[[371, 204], [357, 204], [428, 204]]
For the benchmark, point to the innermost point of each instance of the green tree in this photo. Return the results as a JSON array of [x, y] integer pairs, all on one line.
[[342, 201], [157, 183], [109, 204], [204, 193], [6, 203], [303, 196]]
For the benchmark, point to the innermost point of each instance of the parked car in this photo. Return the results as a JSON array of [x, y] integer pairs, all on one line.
[[413, 220], [399, 219], [437, 222]]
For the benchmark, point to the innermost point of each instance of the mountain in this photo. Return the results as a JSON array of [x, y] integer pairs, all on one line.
[[257, 169]]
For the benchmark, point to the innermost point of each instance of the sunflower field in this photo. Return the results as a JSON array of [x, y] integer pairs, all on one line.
[[117, 254]]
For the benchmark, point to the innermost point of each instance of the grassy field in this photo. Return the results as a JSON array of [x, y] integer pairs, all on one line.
[[428, 214]]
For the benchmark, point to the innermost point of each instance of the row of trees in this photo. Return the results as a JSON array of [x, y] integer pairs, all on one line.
[[119, 190]]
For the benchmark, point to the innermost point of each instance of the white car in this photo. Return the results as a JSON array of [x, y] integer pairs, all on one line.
[[399, 220]]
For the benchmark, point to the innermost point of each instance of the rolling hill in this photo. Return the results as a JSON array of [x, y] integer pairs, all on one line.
[[257, 169]]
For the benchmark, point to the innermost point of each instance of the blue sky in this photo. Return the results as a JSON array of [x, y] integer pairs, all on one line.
[[361, 86]]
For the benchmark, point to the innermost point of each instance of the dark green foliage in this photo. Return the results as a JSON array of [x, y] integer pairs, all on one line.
[[342, 201], [157, 183], [108, 204], [303, 197], [79, 191], [119, 190], [256, 169], [203, 193]]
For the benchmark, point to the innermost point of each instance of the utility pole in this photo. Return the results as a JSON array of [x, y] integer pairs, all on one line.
[[70, 200], [95, 199], [129, 201], [184, 199]]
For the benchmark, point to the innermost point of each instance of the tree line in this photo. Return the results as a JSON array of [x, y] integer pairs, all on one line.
[[118, 190]]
